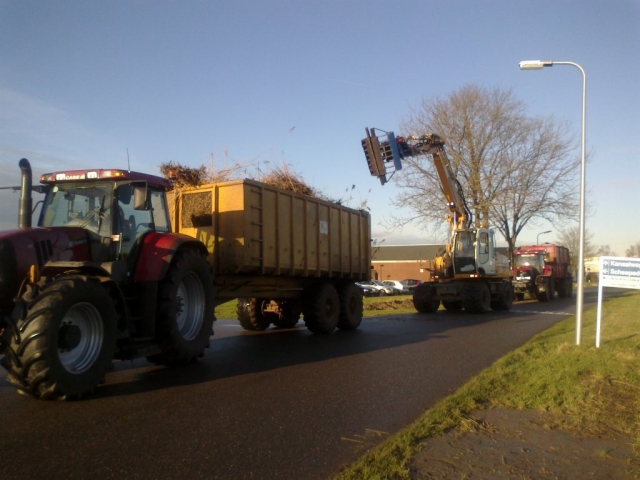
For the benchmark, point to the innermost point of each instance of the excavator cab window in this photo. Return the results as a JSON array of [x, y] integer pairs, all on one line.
[[464, 252]]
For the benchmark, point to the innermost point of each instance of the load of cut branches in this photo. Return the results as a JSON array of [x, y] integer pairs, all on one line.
[[285, 177], [282, 176], [184, 176]]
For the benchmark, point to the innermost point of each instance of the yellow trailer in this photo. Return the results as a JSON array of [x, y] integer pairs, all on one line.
[[280, 253]]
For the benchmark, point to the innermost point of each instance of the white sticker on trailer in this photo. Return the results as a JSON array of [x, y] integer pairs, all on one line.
[[324, 227]]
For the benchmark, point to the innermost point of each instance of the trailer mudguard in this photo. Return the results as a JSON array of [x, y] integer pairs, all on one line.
[[156, 253]]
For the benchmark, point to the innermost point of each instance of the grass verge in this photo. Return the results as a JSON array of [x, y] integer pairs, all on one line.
[[593, 391], [373, 306]]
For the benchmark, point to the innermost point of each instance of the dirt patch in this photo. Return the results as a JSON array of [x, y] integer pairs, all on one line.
[[523, 444], [395, 304]]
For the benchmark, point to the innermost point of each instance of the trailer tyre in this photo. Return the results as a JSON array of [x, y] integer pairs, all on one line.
[[322, 310], [250, 314], [351, 307], [63, 338], [185, 309], [476, 297], [423, 300]]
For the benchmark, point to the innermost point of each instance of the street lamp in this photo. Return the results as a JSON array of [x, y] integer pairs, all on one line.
[[537, 65], [538, 237]]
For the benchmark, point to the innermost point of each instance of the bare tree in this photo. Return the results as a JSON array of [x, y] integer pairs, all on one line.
[[513, 169], [570, 238], [605, 251], [633, 250]]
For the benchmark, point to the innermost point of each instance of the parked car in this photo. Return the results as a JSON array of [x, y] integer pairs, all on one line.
[[368, 290], [384, 288], [396, 285], [409, 284]]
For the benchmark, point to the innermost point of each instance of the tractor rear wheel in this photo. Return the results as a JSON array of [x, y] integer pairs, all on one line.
[[185, 309], [63, 339]]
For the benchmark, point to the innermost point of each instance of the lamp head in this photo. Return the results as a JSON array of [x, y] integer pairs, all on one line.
[[535, 64]]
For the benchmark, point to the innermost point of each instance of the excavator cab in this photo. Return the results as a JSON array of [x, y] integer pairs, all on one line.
[[473, 252]]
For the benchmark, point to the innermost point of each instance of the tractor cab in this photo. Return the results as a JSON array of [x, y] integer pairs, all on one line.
[[115, 208]]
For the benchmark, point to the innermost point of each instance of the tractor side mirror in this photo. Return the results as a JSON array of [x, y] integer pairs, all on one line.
[[141, 197]]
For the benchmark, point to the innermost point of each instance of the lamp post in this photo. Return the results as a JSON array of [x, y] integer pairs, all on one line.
[[538, 237], [537, 65]]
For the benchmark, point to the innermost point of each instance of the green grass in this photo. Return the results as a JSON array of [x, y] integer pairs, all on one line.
[[374, 306], [592, 391]]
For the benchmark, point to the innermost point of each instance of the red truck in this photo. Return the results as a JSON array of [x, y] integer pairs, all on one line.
[[541, 270]]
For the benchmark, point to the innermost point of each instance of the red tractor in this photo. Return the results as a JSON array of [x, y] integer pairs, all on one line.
[[100, 277], [542, 270]]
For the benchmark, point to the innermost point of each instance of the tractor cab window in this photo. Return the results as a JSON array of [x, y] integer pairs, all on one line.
[[132, 224], [464, 251], [532, 261], [77, 205]]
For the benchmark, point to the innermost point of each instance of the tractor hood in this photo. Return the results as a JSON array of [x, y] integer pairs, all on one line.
[[20, 249]]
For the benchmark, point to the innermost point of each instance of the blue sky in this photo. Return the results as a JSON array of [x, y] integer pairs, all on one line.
[[297, 81]]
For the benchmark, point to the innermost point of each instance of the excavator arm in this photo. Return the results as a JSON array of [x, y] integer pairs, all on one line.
[[384, 156]]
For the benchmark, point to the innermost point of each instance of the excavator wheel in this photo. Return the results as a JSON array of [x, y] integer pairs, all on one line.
[[506, 298], [476, 297], [250, 314], [423, 300]]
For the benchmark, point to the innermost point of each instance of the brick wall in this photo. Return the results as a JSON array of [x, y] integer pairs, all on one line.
[[399, 270]]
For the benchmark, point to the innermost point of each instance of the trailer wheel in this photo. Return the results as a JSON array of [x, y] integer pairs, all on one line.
[[322, 310], [185, 309], [63, 339], [506, 298], [453, 305], [476, 297], [423, 300], [350, 307], [250, 314]]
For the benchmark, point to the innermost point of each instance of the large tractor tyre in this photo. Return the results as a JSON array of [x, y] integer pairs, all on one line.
[[544, 296], [62, 339], [476, 297], [505, 300], [322, 310], [289, 315], [351, 307], [569, 283], [185, 309], [453, 305], [423, 300], [250, 314]]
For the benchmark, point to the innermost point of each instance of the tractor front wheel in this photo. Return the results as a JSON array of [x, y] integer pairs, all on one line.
[[62, 340]]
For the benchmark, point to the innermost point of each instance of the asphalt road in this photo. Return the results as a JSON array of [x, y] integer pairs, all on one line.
[[282, 404]]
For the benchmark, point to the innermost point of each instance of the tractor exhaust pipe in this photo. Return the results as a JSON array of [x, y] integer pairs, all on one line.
[[24, 215]]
